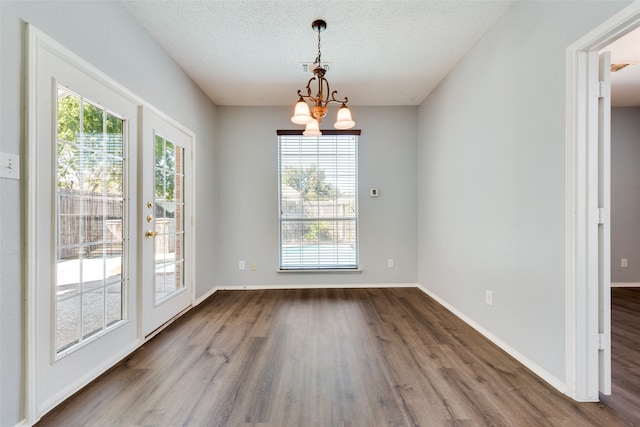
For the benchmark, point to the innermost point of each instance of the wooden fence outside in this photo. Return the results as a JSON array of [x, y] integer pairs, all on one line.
[[91, 225]]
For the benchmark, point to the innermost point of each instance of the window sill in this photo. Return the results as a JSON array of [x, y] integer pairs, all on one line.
[[322, 270]]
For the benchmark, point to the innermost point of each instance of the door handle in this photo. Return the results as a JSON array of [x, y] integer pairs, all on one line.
[[150, 233]]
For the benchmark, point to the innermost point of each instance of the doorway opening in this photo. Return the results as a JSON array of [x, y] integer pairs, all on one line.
[[588, 289], [625, 209]]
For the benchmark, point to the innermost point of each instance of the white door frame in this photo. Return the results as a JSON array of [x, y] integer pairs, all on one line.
[[582, 203]]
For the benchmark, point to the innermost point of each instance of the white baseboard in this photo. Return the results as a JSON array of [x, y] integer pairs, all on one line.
[[625, 284], [333, 286], [205, 296], [542, 373], [74, 387]]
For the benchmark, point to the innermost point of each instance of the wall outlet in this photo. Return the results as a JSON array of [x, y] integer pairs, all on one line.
[[623, 263], [254, 266], [488, 297], [240, 265], [390, 263]]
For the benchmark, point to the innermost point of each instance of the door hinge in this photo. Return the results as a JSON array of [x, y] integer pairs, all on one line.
[[603, 89], [602, 342], [603, 216]]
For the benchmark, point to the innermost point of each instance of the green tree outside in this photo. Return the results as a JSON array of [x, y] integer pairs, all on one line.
[[89, 155], [165, 155], [310, 183]]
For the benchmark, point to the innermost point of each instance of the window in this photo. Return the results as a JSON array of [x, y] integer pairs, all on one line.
[[169, 222], [318, 196], [89, 224]]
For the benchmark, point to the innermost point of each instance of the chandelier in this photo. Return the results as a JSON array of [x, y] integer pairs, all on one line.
[[313, 117]]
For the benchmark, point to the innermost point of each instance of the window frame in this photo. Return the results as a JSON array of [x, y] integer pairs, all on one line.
[[318, 268]]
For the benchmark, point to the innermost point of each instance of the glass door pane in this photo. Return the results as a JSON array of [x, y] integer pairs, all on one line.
[[169, 222], [89, 220]]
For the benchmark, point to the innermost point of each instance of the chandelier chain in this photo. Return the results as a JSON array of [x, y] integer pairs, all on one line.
[[318, 58]]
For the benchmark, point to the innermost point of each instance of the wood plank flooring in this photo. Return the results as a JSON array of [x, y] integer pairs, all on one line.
[[324, 357], [625, 353]]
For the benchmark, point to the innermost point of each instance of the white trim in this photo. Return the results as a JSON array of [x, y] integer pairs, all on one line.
[[581, 249], [319, 270], [200, 300], [31, 270], [72, 388], [331, 286], [519, 357], [167, 323], [625, 284]]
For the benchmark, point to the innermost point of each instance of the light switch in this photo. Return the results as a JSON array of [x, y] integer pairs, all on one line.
[[9, 166]]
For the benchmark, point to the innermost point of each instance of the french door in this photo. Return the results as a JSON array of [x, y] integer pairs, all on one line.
[[82, 293], [109, 223], [166, 197]]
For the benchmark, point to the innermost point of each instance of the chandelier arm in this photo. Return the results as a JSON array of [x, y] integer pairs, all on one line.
[[333, 98], [322, 82], [308, 87], [306, 97], [322, 98]]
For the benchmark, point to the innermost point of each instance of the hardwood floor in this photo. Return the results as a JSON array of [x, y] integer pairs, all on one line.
[[625, 353], [324, 357]]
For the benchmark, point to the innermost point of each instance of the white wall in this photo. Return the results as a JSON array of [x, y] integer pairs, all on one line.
[[248, 197], [492, 179], [106, 36], [625, 193]]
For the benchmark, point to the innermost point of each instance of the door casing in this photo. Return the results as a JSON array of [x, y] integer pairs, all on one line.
[[581, 204]]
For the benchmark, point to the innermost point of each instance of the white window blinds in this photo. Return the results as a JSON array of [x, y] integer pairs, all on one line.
[[318, 196]]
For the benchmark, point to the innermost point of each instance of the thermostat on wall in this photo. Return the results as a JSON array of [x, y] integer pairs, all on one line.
[[373, 192]]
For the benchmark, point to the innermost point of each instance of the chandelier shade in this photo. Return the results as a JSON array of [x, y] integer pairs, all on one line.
[[312, 129], [344, 120], [312, 116], [302, 115]]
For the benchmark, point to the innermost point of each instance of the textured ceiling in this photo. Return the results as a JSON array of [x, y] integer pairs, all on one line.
[[392, 52], [380, 52]]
